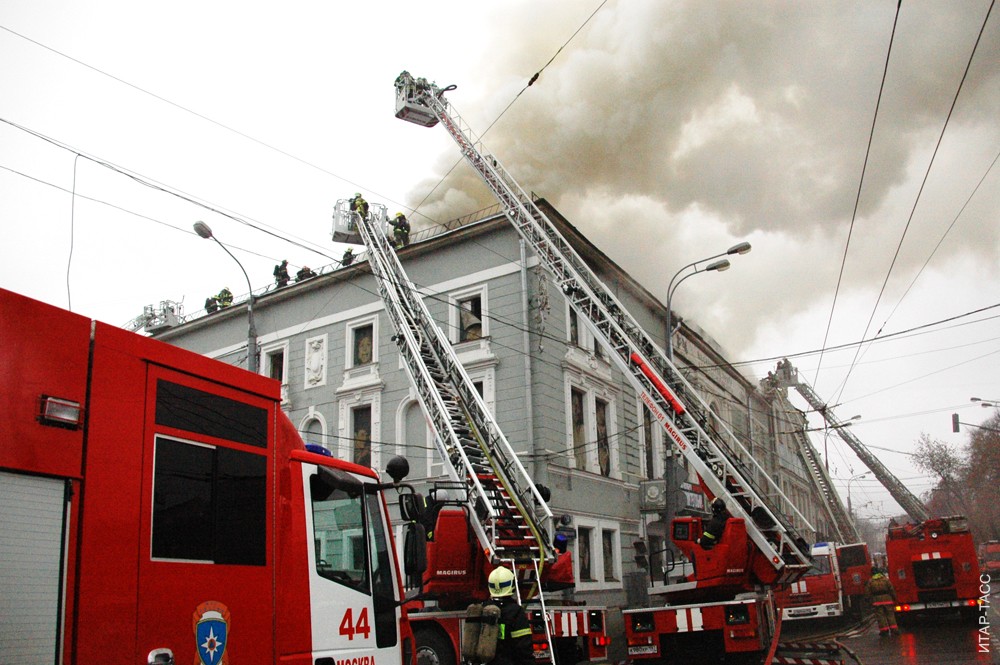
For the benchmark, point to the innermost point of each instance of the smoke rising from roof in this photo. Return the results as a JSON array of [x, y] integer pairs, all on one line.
[[667, 131]]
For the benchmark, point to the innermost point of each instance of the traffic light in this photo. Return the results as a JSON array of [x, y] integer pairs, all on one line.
[[954, 422]]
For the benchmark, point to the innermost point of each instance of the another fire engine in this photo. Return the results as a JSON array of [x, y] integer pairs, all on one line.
[[933, 566], [833, 587], [989, 557], [158, 506], [490, 512], [931, 561], [724, 606]]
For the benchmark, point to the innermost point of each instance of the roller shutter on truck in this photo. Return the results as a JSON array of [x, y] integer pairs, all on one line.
[[32, 515]]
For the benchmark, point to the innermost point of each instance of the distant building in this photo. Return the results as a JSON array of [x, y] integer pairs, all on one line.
[[576, 423]]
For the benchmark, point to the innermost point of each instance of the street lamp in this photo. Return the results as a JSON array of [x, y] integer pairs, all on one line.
[[203, 230], [715, 266], [859, 476], [986, 403]]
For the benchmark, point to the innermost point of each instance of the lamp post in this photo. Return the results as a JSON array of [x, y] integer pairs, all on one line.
[[715, 266], [826, 437], [850, 510], [205, 231]]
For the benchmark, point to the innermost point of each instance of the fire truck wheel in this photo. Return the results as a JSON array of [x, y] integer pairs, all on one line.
[[433, 648]]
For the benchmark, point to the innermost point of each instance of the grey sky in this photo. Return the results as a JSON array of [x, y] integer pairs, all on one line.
[[665, 131]]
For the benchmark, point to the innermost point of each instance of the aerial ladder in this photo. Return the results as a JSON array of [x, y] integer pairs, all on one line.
[[781, 554], [787, 376], [846, 530], [506, 510]]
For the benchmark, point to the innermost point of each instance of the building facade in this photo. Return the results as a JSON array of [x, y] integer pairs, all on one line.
[[574, 420]]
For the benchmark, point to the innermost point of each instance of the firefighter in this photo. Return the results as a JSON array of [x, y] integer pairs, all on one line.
[[359, 205], [225, 297], [713, 532], [883, 598], [211, 304], [305, 272], [281, 274], [514, 637], [401, 230], [348, 257]]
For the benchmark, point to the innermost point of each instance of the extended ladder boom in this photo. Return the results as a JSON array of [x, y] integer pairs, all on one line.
[[665, 392], [847, 532], [506, 510], [787, 375]]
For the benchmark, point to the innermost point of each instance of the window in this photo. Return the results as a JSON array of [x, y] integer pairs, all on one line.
[[209, 504], [467, 315], [580, 336], [363, 344], [598, 554], [585, 545], [591, 428], [603, 446], [609, 547], [361, 429], [338, 529], [275, 365], [579, 428], [470, 319]]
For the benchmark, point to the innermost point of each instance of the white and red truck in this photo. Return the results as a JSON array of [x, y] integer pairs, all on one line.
[[833, 587], [157, 506]]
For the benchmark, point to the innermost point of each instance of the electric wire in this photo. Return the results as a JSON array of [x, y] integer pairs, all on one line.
[[857, 198], [920, 190]]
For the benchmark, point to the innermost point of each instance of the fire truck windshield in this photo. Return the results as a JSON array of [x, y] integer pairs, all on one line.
[[820, 565]]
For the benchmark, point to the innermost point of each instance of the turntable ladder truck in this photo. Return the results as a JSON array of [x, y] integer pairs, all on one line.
[[489, 492], [774, 553], [932, 561]]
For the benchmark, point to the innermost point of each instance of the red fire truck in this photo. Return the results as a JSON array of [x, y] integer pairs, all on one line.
[[833, 587], [157, 506], [933, 566]]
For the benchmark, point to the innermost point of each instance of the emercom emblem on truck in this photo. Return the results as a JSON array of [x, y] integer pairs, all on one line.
[[211, 627]]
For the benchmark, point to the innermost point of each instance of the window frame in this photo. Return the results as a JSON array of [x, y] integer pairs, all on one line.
[[592, 392], [349, 333], [455, 300], [596, 530]]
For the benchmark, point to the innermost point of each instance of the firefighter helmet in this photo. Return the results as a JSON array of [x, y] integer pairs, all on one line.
[[718, 506], [501, 582]]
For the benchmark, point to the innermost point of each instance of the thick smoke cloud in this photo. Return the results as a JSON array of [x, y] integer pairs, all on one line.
[[680, 127]]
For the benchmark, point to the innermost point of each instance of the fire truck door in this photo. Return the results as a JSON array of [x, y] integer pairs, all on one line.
[[32, 536]]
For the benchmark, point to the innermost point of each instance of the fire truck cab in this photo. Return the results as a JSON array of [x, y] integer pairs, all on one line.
[[158, 504]]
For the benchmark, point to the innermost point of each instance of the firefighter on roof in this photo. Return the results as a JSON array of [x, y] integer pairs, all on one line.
[[883, 596], [401, 230], [225, 297], [514, 637], [281, 274]]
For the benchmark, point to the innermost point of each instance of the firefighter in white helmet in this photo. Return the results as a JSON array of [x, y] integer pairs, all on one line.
[[514, 638]]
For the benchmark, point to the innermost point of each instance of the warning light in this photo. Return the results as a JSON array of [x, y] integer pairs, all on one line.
[[58, 412]]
